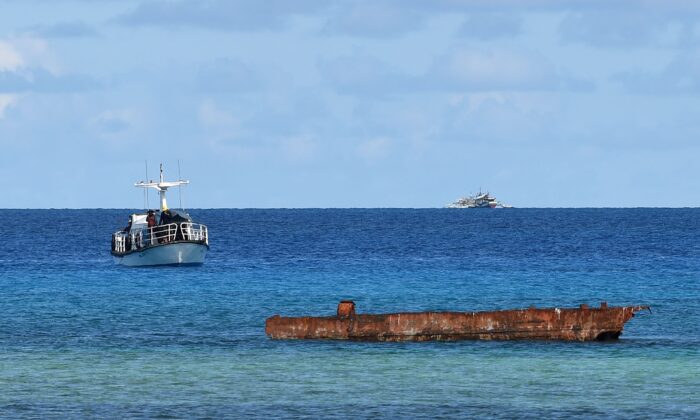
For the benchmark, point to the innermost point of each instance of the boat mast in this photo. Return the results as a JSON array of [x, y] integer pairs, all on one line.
[[145, 190], [161, 187], [163, 201]]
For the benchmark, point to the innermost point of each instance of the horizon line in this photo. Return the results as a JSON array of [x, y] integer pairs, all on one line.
[[351, 208]]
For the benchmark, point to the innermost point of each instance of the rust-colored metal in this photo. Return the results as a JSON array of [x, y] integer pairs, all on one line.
[[570, 324], [346, 309]]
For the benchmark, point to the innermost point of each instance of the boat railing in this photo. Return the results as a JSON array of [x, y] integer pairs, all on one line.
[[123, 242], [161, 234], [119, 240], [194, 232]]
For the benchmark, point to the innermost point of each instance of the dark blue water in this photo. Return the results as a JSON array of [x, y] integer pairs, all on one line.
[[80, 336]]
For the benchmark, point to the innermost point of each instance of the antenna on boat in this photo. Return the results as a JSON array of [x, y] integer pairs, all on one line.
[[145, 190], [179, 187], [161, 187]]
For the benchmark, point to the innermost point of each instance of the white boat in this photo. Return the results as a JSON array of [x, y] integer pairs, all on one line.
[[160, 237], [478, 201]]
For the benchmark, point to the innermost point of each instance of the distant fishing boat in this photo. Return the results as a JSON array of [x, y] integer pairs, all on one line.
[[478, 201], [160, 237]]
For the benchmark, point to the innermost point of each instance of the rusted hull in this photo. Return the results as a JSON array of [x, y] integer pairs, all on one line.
[[573, 324]]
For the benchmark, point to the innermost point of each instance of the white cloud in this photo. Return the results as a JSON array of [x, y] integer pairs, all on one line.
[[299, 148], [35, 52], [459, 70], [6, 101], [493, 70], [477, 100], [10, 59], [26, 64], [210, 115]]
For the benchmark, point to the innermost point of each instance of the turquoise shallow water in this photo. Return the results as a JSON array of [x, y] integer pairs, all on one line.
[[80, 336]]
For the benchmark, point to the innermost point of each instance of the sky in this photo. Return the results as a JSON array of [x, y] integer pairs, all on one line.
[[381, 103]]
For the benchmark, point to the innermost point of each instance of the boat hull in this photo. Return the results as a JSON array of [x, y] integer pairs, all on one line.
[[181, 253], [572, 324]]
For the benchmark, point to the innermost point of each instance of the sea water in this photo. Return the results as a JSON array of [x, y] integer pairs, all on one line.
[[81, 336]]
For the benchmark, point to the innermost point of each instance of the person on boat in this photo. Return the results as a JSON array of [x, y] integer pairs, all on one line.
[[127, 230], [151, 218], [151, 221], [166, 217]]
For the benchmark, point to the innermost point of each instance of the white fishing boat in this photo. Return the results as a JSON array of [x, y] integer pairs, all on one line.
[[478, 201], [160, 237]]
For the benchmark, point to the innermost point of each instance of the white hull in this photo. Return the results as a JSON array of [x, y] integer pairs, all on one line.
[[169, 254]]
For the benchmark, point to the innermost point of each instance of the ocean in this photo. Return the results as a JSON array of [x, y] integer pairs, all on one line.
[[83, 337]]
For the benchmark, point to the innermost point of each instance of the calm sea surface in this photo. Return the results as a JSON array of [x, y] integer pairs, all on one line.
[[80, 336]]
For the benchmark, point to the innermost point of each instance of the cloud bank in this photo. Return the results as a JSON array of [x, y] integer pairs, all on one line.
[[460, 70]]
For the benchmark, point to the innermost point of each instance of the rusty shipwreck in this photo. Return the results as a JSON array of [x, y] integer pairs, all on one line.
[[569, 324]]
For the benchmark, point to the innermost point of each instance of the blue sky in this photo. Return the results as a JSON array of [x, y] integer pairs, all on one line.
[[377, 103]]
